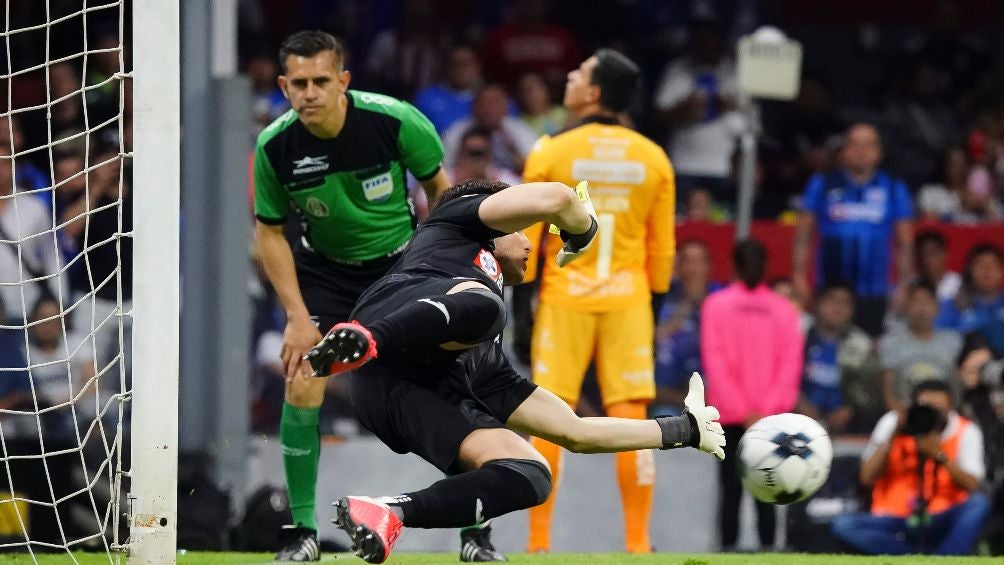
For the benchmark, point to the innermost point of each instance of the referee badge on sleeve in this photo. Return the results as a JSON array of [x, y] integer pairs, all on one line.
[[489, 265]]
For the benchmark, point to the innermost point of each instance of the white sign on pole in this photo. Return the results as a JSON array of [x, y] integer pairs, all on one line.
[[769, 64]]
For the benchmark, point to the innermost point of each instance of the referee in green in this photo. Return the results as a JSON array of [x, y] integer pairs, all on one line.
[[339, 158]]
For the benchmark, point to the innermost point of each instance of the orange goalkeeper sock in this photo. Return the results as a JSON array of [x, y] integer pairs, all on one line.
[[539, 539], [636, 477]]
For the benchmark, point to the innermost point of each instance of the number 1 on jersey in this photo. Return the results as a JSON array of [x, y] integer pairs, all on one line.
[[605, 245]]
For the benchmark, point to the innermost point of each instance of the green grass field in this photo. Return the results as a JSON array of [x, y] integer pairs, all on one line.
[[201, 558]]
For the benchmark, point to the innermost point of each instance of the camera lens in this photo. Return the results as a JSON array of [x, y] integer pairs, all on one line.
[[921, 419]]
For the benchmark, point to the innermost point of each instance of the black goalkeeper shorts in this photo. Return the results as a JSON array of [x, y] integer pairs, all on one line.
[[430, 408]]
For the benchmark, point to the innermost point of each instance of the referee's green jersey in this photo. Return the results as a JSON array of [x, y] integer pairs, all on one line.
[[350, 191]]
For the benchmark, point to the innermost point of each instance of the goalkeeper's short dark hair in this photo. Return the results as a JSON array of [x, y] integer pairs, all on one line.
[[307, 44], [617, 76], [470, 187]]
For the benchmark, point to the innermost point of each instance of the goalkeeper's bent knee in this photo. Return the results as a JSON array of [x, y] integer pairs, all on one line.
[[533, 471], [482, 313]]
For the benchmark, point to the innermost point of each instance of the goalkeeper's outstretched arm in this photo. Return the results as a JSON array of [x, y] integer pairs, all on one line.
[[524, 205]]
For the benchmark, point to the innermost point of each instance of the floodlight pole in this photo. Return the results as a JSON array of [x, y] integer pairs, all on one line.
[[747, 167], [769, 65]]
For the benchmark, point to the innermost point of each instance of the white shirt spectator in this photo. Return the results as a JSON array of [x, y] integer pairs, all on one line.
[[26, 219], [937, 200], [268, 352], [704, 148], [49, 371]]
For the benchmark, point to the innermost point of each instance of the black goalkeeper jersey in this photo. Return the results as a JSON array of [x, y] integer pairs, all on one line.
[[452, 244]]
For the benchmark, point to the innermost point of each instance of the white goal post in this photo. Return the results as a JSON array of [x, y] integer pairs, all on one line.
[[89, 278], [156, 183]]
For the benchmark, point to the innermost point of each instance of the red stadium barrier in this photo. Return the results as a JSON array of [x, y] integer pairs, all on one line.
[[778, 240]]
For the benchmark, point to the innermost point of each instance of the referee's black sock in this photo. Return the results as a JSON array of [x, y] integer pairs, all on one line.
[[499, 487], [469, 317]]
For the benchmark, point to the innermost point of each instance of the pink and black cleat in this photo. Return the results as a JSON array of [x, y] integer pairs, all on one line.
[[372, 526], [346, 346]]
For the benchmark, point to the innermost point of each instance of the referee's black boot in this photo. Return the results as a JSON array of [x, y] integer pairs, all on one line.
[[299, 544], [476, 546]]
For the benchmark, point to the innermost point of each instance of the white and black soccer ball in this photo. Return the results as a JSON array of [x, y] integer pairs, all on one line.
[[784, 458]]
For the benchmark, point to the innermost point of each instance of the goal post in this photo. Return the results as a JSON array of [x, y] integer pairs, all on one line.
[[153, 474]]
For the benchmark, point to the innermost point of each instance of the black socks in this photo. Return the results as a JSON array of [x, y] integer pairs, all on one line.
[[499, 487]]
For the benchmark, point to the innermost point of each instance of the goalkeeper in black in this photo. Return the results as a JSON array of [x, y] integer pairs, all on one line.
[[339, 159], [428, 375]]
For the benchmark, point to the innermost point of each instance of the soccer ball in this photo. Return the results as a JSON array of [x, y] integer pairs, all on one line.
[[784, 458]]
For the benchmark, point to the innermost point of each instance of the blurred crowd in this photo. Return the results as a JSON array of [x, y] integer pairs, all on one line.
[[914, 99], [913, 104], [65, 267], [64, 201]]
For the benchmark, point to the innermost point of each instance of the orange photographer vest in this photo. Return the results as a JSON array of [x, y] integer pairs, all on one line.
[[896, 490]]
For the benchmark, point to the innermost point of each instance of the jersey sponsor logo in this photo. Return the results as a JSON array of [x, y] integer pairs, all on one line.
[[378, 188], [872, 212], [639, 377], [876, 194], [609, 152], [371, 98], [316, 207], [310, 165], [294, 451], [613, 172]]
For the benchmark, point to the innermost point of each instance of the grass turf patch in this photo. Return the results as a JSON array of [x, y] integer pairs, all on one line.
[[229, 558]]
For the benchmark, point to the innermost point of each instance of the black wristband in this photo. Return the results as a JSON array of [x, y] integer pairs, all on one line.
[[577, 241], [679, 431]]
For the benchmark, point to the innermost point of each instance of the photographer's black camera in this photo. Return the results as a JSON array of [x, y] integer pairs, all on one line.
[[922, 419]]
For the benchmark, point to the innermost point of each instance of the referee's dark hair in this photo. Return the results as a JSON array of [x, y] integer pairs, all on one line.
[[308, 43], [750, 259], [617, 76]]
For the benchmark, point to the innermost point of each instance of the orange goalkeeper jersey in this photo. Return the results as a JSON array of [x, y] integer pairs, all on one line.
[[633, 189]]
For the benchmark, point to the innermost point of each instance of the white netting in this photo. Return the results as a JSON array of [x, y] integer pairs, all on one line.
[[65, 274]]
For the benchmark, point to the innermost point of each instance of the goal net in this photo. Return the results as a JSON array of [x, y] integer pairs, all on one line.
[[68, 252]]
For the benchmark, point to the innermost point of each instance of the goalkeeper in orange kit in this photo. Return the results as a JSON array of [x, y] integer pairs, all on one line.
[[600, 308]]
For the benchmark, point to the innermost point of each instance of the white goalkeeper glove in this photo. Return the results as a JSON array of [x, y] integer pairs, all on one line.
[[712, 435], [577, 244]]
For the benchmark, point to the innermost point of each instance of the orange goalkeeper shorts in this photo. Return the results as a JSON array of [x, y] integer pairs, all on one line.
[[565, 341]]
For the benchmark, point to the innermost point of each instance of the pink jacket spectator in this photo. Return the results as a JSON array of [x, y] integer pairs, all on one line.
[[751, 350]]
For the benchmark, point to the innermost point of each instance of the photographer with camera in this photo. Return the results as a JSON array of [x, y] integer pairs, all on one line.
[[924, 465]]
